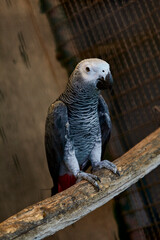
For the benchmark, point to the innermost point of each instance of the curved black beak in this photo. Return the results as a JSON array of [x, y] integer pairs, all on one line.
[[105, 83]]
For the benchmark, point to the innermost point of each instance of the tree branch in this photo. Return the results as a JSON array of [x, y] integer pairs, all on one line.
[[49, 216]]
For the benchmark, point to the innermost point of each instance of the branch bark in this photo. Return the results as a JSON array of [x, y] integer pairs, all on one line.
[[49, 216]]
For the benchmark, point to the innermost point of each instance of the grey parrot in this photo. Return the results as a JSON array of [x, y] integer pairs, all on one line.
[[78, 126]]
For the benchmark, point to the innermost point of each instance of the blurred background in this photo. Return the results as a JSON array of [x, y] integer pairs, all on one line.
[[40, 44]]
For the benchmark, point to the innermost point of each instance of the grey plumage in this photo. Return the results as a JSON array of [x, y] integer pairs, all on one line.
[[78, 122]]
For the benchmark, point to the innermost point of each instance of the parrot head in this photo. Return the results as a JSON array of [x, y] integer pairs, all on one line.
[[93, 72]]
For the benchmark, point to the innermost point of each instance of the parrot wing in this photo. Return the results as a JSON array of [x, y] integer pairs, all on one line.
[[55, 131], [105, 122]]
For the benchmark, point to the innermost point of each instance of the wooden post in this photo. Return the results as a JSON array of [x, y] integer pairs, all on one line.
[[49, 216]]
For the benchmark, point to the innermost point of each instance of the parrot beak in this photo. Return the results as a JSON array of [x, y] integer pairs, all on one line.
[[105, 83]]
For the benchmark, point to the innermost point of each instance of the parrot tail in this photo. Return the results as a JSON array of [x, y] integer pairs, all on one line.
[[65, 182]]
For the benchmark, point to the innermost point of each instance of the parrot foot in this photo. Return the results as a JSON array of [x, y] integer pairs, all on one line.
[[106, 164], [90, 178]]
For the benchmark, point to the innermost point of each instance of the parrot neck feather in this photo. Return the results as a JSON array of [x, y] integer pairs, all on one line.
[[80, 96]]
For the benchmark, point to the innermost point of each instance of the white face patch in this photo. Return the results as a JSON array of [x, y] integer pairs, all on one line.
[[93, 68]]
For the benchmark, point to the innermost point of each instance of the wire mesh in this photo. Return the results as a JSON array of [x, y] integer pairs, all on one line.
[[125, 33]]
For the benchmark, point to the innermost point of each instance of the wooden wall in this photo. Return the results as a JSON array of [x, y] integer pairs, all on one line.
[[30, 79]]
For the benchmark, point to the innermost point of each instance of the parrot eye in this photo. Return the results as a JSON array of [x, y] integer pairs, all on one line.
[[87, 69], [102, 70]]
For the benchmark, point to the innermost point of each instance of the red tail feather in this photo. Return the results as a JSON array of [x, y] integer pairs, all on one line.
[[65, 182]]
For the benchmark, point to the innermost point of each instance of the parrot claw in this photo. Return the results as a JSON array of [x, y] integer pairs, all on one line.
[[108, 165], [97, 187], [118, 174], [98, 179], [90, 178]]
